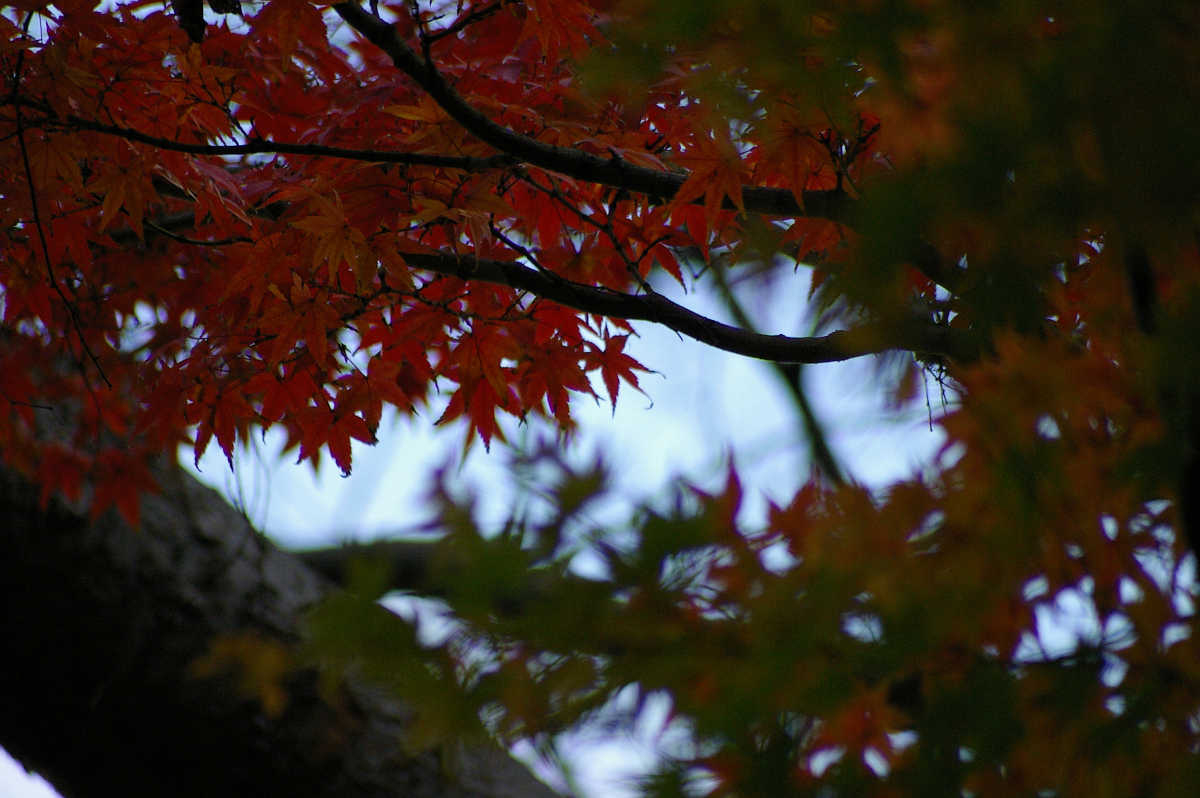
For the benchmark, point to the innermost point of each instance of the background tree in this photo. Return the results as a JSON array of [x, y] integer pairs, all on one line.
[[298, 216]]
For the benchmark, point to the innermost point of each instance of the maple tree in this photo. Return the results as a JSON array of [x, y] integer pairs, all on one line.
[[295, 215]]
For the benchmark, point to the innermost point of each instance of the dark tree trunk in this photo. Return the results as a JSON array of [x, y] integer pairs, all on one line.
[[100, 624]]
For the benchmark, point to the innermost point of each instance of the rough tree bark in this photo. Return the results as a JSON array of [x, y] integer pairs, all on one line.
[[101, 623]]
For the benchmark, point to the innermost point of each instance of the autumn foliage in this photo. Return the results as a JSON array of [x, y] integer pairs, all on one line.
[[301, 214]]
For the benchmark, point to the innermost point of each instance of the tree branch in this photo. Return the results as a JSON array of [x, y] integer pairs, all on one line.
[[614, 172], [915, 335], [258, 146]]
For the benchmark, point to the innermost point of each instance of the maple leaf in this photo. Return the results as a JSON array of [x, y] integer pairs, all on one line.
[[792, 147], [262, 666], [120, 479], [617, 367], [337, 242], [715, 174], [122, 188], [55, 158]]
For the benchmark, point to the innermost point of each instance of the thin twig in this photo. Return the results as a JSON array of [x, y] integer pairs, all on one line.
[[37, 219], [259, 146]]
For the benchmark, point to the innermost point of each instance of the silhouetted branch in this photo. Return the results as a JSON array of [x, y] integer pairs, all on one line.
[[614, 172]]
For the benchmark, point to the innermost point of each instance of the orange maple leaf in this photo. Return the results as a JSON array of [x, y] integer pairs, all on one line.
[[715, 174]]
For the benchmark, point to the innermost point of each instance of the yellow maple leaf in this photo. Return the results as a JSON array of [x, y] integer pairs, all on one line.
[[259, 664]]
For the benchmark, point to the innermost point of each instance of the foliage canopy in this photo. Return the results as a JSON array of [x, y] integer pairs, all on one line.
[[294, 215]]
